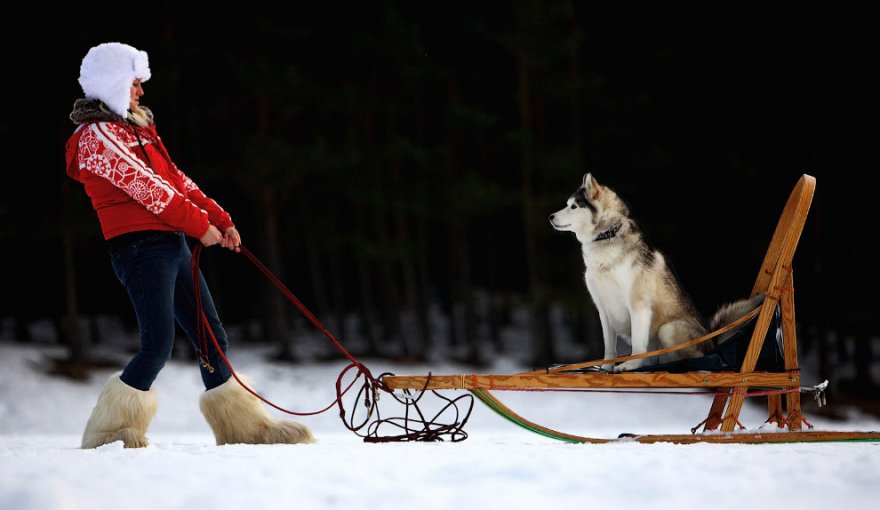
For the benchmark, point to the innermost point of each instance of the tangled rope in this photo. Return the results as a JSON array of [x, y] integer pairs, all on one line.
[[414, 425]]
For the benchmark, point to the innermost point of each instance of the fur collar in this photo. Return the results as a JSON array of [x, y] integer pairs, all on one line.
[[93, 110]]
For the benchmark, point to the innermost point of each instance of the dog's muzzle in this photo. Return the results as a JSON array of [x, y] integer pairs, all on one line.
[[553, 223]]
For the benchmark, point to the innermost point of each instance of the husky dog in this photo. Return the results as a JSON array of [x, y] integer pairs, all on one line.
[[637, 295]]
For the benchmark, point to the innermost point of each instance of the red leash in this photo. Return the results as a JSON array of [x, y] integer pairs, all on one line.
[[205, 332], [415, 425]]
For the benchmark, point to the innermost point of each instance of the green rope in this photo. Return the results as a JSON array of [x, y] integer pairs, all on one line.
[[491, 404]]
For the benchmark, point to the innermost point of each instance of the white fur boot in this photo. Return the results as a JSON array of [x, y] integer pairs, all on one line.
[[122, 414], [237, 416]]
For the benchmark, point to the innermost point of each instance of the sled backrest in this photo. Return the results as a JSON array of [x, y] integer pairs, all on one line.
[[776, 280]]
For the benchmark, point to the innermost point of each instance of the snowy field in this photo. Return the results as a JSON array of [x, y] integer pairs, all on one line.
[[498, 466]]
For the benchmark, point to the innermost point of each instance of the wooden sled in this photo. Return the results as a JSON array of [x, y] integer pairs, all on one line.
[[775, 280]]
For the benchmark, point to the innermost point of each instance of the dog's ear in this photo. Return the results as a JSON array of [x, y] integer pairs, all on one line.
[[591, 185]]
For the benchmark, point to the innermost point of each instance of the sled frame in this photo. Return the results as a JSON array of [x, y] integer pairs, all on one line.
[[775, 279]]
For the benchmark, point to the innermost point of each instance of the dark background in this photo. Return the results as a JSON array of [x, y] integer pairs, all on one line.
[[404, 156]]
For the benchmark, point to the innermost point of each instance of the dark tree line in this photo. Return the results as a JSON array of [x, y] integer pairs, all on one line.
[[395, 163]]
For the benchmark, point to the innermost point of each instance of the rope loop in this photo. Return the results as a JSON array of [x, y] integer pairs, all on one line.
[[413, 426]]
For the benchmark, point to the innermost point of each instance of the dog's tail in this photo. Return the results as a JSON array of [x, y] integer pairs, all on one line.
[[730, 312]]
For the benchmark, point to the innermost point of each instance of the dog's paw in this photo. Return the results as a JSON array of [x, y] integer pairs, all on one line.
[[626, 366], [608, 367]]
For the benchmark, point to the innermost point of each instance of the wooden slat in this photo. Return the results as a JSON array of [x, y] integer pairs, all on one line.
[[716, 412], [790, 353], [757, 341], [774, 410], [800, 199], [592, 380], [810, 436]]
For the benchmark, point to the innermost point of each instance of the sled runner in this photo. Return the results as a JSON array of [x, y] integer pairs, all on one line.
[[761, 359]]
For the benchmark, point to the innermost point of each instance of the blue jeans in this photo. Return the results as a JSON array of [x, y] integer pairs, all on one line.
[[155, 269]]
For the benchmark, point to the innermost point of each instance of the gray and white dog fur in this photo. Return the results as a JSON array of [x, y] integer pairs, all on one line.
[[636, 293]]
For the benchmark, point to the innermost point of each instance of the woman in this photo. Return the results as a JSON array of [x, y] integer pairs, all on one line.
[[146, 207]]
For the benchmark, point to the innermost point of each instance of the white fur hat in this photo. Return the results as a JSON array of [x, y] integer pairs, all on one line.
[[107, 72]]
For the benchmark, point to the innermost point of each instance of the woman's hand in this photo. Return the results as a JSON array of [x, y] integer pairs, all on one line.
[[211, 237], [231, 240]]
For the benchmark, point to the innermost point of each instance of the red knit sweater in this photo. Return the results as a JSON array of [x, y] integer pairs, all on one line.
[[134, 185]]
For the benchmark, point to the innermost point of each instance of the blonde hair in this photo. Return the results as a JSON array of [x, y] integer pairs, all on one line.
[[139, 117]]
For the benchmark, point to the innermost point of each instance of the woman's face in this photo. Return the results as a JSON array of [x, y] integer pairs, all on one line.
[[136, 92]]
